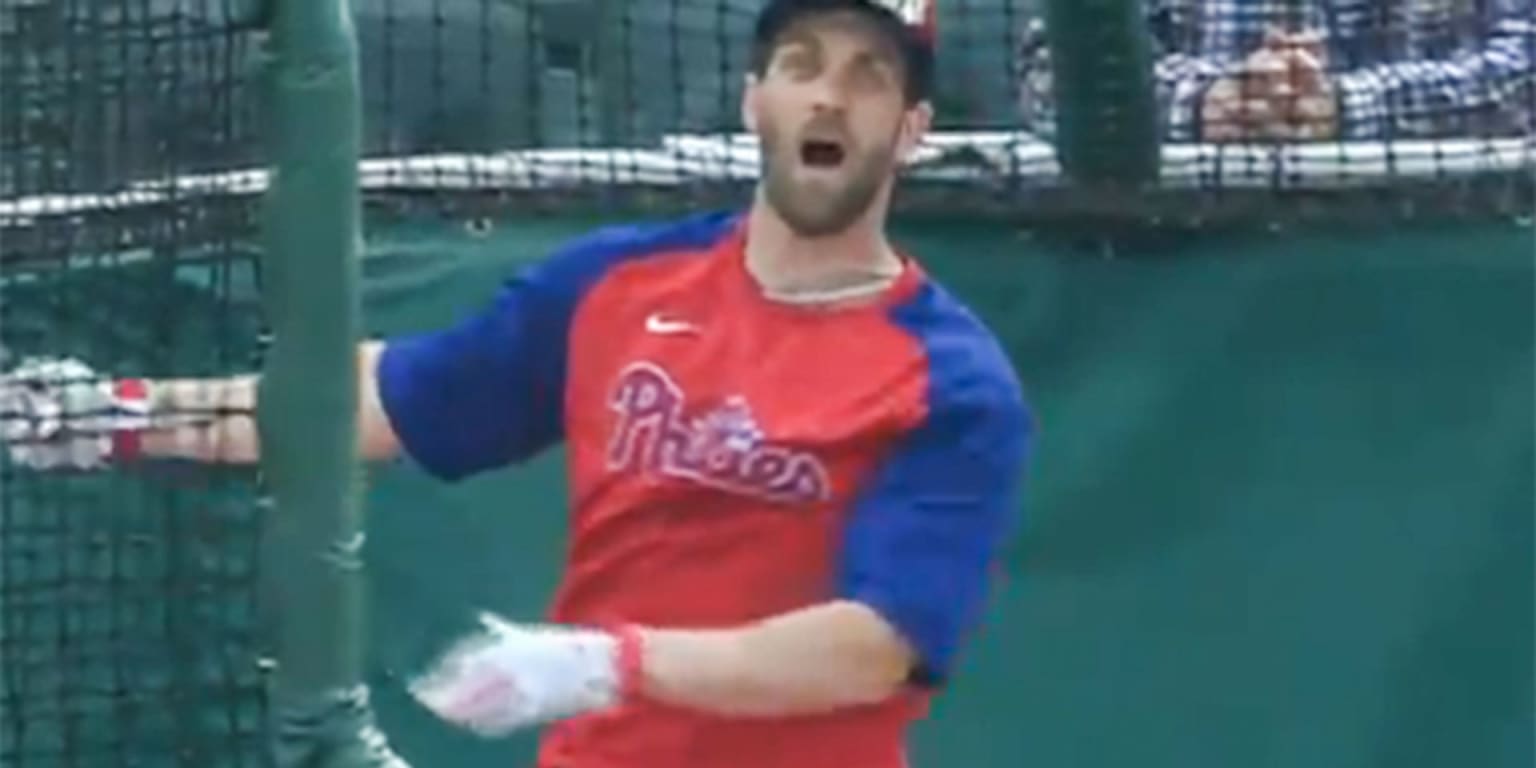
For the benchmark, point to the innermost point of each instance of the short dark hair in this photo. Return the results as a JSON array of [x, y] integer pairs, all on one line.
[[911, 43]]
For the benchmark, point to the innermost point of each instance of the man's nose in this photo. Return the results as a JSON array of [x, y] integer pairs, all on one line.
[[828, 94]]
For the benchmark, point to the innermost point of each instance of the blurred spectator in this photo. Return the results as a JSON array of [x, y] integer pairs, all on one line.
[[1297, 70]]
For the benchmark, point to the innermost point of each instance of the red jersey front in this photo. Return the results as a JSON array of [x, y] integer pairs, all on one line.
[[732, 458]]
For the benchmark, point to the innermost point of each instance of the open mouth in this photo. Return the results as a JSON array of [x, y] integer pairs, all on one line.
[[821, 153]]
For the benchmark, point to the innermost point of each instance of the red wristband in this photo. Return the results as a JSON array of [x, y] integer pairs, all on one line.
[[631, 661], [128, 444]]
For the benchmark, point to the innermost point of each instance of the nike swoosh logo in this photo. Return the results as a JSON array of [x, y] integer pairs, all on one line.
[[662, 326]]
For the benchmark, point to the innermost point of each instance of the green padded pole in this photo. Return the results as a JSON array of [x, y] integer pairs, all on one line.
[[308, 396], [308, 393], [1106, 111]]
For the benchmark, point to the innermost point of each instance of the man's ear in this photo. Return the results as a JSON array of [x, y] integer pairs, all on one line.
[[749, 106], [915, 123]]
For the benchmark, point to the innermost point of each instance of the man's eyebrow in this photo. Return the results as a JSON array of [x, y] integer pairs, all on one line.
[[798, 38], [878, 53], [877, 59]]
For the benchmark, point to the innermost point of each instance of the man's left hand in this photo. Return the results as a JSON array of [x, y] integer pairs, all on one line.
[[507, 676]]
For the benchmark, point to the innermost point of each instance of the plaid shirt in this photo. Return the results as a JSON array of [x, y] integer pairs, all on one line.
[[1400, 68]]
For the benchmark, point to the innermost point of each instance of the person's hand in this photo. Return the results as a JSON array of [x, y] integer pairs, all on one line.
[[1280, 92], [59, 413], [1227, 114], [1299, 90], [507, 677]]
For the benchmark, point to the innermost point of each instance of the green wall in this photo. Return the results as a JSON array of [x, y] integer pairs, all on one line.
[[1280, 513]]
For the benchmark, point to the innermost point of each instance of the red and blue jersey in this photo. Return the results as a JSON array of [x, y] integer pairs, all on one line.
[[732, 458]]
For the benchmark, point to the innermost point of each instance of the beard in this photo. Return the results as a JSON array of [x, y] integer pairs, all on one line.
[[821, 204]]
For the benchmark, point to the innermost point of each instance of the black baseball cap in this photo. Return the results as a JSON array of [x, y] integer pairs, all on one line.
[[913, 43]]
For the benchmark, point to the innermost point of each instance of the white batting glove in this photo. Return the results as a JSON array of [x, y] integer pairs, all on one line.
[[59, 413], [507, 676]]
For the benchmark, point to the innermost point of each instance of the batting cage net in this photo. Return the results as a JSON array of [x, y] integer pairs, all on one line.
[[127, 605], [130, 173]]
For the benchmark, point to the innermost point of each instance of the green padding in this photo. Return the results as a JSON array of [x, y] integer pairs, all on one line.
[[333, 730], [1280, 513], [308, 398], [1106, 112]]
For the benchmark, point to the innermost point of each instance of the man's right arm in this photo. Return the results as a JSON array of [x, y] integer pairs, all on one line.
[[483, 392], [480, 393], [231, 436]]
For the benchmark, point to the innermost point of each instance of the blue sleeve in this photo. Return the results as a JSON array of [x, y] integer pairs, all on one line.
[[490, 390], [923, 536]]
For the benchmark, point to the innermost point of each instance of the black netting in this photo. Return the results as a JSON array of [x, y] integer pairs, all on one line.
[[127, 599], [129, 182], [1382, 107], [1377, 106]]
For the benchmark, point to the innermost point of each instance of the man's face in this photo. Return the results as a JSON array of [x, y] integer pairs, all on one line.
[[833, 122]]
